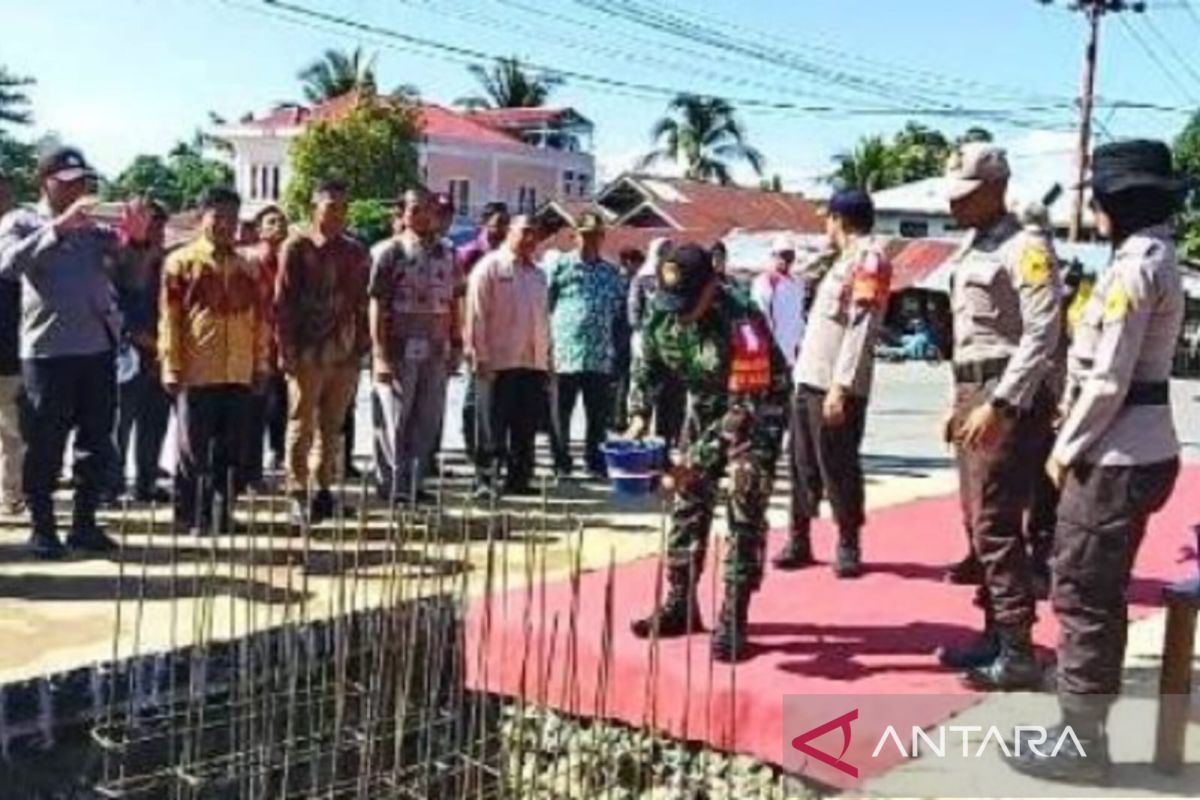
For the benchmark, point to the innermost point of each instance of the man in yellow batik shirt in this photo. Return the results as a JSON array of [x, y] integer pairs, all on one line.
[[214, 339]]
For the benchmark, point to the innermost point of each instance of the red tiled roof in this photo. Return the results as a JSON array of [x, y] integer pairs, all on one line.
[[438, 122], [708, 206], [912, 260], [618, 239], [503, 117]]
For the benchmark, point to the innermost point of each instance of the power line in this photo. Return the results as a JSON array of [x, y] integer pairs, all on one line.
[[1171, 49], [1152, 54]]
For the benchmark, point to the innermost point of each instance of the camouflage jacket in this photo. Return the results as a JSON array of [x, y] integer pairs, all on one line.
[[727, 412]]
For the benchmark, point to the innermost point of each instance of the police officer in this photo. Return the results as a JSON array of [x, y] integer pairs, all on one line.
[[708, 334], [1116, 457], [1005, 302], [833, 382]]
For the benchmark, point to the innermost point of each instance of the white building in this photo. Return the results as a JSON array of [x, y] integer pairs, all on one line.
[[519, 156]]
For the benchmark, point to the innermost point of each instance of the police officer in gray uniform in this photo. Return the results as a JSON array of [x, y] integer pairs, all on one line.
[[1006, 305], [833, 383], [1116, 457]]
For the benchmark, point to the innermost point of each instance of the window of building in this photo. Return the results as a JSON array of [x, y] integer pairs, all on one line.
[[459, 190], [526, 200], [275, 182], [254, 181], [568, 185], [913, 229], [583, 183]]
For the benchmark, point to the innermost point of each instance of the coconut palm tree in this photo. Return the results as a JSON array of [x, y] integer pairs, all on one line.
[[705, 137], [507, 84], [13, 100], [337, 72], [871, 166]]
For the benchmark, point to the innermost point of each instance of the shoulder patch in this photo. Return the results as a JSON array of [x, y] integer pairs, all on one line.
[[1034, 265], [1117, 302]]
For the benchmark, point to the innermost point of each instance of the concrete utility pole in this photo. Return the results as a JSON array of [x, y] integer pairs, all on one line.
[[1093, 10]]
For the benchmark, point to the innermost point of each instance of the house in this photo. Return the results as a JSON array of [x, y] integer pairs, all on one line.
[[640, 208], [920, 210], [523, 157]]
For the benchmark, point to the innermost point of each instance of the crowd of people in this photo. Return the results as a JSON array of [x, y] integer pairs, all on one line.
[[259, 341]]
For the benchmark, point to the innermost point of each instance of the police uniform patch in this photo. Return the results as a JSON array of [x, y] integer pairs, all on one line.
[[1035, 265], [670, 274], [1116, 303]]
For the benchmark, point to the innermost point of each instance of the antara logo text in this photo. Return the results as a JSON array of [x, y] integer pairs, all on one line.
[[935, 744]]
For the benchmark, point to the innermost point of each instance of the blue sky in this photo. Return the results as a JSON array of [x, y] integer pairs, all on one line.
[[119, 77]]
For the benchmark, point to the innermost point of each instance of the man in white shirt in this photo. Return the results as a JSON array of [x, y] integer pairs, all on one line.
[[780, 296]]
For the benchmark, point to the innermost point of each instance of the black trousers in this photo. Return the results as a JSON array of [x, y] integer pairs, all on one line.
[[597, 404], [1042, 517], [518, 401], [213, 421], [267, 424], [824, 461], [470, 405], [68, 393], [143, 415], [1101, 523]]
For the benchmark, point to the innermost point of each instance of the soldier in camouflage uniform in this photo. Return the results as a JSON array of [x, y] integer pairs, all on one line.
[[709, 335]]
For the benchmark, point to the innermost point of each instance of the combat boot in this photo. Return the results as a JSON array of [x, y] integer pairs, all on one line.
[[1089, 763], [967, 572], [980, 652], [1015, 668], [797, 553], [849, 556], [729, 641], [679, 613]]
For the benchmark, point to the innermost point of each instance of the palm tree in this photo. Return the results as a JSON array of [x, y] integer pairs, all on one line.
[[13, 101], [337, 72], [871, 166], [507, 84], [705, 137]]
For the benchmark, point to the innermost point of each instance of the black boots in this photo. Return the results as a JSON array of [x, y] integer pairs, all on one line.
[[1014, 668], [978, 653], [679, 614], [968, 572], [797, 553], [1087, 763], [729, 640], [849, 556]]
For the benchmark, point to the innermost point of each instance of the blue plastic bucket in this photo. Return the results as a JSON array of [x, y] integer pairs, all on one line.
[[634, 466]]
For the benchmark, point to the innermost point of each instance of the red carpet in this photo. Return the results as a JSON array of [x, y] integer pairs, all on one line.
[[813, 635]]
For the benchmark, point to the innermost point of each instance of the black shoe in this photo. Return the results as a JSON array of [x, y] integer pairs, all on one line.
[[849, 559], [796, 554], [91, 539], [729, 641], [321, 507], [1089, 766], [679, 614], [968, 572], [153, 494], [1014, 669], [978, 653], [46, 546], [520, 490]]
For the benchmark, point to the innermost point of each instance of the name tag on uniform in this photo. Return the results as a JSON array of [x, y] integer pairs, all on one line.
[[416, 350]]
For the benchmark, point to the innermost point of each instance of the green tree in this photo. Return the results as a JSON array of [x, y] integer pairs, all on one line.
[[871, 166], [370, 220], [177, 181], [14, 102], [705, 137], [1187, 161], [507, 84], [919, 152], [337, 72], [372, 148], [18, 162]]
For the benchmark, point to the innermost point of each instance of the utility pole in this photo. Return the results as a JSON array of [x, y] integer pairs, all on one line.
[[1093, 10]]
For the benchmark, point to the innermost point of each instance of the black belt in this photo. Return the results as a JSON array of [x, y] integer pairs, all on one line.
[[1148, 393], [980, 371]]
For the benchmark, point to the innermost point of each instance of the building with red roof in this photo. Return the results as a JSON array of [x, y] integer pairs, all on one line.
[[523, 157]]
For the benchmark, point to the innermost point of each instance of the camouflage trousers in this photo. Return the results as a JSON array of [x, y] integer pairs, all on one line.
[[751, 475]]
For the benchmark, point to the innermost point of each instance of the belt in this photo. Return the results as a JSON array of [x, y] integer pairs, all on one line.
[[1148, 393], [980, 371]]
